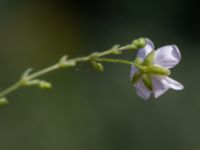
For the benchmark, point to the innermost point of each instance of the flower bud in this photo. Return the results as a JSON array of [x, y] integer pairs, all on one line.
[[45, 85], [68, 63], [139, 43], [3, 101], [97, 66]]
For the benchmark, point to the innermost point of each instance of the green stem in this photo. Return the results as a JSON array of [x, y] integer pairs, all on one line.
[[43, 72], [114, 61], [70, 63], [110, 51], [10, 89]]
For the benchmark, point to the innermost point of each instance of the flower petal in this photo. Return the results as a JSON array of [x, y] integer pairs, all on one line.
[[141, 90], [172, 83], [162, 84], [143, 52], [159, 87], [167, 56], [133, 71]]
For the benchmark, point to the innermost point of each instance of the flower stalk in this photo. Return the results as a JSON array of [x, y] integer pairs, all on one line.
[[31, 79]]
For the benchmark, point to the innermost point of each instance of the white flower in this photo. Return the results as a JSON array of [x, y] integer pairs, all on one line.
[[151, 70]]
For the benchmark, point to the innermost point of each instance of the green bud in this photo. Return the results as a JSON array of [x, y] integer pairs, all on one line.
[[97, 66], [149, 59], [139, 43], [158, 70], [147, 81], [69, 63], [3, 101], [45, 85]]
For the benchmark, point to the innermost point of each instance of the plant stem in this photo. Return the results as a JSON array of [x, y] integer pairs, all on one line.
[[43, 72], [115, 61], [70, 63], [10, 89]]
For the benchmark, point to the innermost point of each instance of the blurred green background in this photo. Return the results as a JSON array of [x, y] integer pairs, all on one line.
[[88, 110]]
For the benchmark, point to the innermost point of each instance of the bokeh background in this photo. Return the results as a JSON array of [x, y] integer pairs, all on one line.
[[88, 110]]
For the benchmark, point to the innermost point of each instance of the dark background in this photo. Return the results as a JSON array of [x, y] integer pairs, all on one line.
[[88, 110]]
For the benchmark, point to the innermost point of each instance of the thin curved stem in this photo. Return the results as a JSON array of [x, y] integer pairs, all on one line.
[[32, 79]]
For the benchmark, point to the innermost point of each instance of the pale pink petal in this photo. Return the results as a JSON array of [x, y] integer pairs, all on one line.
[[142, 90], [172, 83], [159, 87], [167, 56], [143, 52]]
